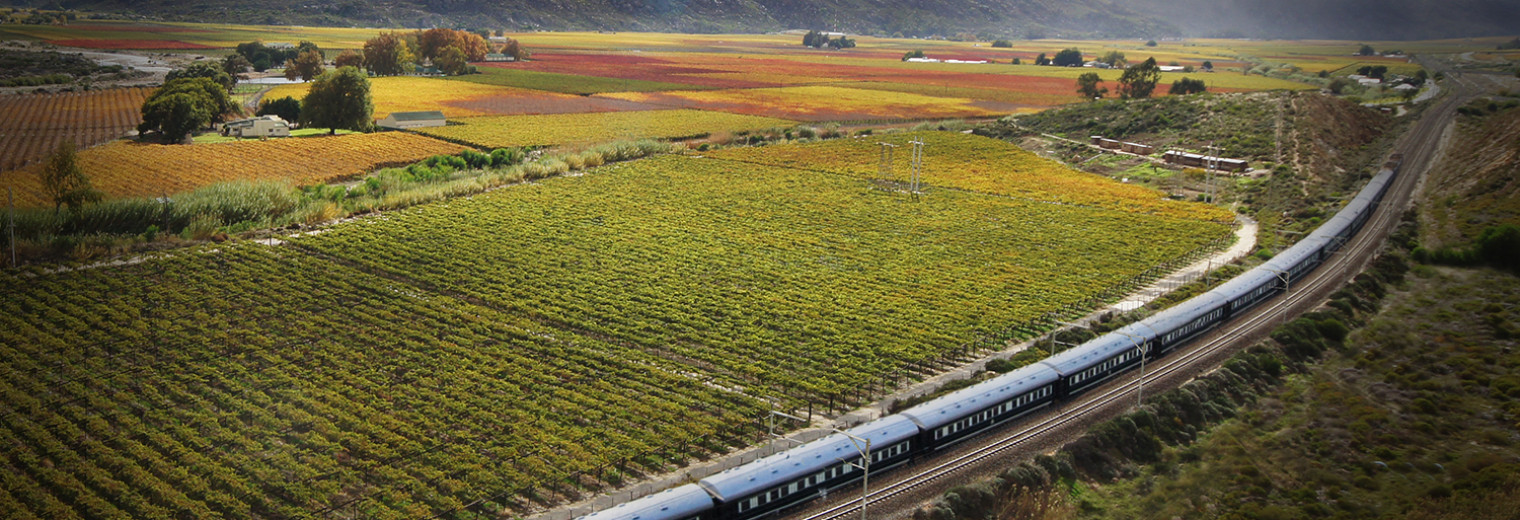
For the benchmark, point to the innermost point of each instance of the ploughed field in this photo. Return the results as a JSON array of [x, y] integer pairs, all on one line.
[[504, 350]]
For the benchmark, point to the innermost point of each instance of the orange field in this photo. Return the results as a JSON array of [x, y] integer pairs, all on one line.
[[32, 125], [130, 169]]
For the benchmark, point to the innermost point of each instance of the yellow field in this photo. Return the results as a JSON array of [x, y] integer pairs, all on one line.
[[128, 169], [535, 130], [453, 98]]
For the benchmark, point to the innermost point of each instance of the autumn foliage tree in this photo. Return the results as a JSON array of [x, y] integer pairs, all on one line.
[[306, 66], [348, 59], [65, 182], [432, 42], [183, 105], [388, 54]]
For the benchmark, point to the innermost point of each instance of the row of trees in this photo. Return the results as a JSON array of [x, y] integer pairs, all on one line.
[[1137, 82], [337, 99], [818, 40]]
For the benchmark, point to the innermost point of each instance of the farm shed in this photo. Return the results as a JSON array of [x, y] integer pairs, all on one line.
[[1193, 159], [1111, 144], [402, 120], [1138, 149]]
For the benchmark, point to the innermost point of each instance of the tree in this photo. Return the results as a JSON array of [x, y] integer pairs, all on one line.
[[1150, 43], [841, 43], [338, 99], [515, 50], [1186, 86], [1088, 86], [1366, 50], [348, 59], [1113, 58], [65, 182], [387, 54], [917, 53], [1041, 60], [814, 39], [433, 41], [452, 61], [235, 64], [1208, 65], [1138, 81], [306, 66], [287, 108], [1016, 61], [1338, 85], [183, 105], [1420, 77], [1002, 44], [306, 46], [1068, 57], [203, 69]]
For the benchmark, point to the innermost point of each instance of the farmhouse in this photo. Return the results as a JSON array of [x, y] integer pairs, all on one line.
[[401, 120], [496, 56], [262, 126]]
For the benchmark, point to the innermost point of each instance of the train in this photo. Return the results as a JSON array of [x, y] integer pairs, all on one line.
[[787, 479]]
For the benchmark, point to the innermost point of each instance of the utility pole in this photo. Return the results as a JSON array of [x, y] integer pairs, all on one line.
[[1211, 163]]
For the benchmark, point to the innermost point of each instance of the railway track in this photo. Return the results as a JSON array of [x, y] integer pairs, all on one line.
[[906, 489]]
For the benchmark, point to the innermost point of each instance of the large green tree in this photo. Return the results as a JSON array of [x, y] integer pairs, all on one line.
[[1138, 81], [183, 105], [1067, 57], [204, 69], [1089, 85], [65, 182], [338, 99]]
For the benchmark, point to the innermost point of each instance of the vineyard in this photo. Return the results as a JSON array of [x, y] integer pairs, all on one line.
[[535, 130], [466, 99], [504, 350], [32, 125], [130, 169], [979, 164], [819, 103]]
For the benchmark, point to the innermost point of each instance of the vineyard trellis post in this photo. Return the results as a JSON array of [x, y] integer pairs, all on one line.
[[918, 165], [885, 168]]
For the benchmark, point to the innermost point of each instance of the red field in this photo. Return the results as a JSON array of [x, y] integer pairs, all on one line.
[[32, 125]]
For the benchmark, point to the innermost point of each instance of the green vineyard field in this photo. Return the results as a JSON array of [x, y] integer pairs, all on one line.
[[492, 352]]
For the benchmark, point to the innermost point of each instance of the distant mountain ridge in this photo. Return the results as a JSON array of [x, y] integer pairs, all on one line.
[[1333, 19]]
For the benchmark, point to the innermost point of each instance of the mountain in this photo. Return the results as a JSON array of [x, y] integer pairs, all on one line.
[[1339, 19], [1330, 19]]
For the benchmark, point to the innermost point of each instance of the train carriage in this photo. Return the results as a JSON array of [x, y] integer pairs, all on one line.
[[1091, 363], [688, 502], [773, 483], [1184, 321], [963, 413]]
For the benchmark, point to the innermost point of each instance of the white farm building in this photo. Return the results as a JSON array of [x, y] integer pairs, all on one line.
[[403, 120], [262, 126]]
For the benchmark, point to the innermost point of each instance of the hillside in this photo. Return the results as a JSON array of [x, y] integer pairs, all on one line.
[[1475, 186], [1343, 19]]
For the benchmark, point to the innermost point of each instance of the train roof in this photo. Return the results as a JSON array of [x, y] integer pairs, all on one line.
[[966, 401], [1243, 284], [1094, 351], [806, 459], [1181, 314], [675, 503], [1305, 248]]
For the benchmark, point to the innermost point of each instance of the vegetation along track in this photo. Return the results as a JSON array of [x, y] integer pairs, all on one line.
[[902, 492]]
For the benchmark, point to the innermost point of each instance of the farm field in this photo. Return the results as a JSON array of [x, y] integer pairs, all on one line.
[[465, 99], [470, 351], [556, 129], [131, 169], [32, 125], [978, 164], [821, 103]]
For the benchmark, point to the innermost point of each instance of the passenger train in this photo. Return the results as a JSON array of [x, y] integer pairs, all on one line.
[[786, 479]]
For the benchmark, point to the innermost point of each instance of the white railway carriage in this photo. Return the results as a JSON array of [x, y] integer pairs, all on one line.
[[773, 483], [954, 417], [688, 502]]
